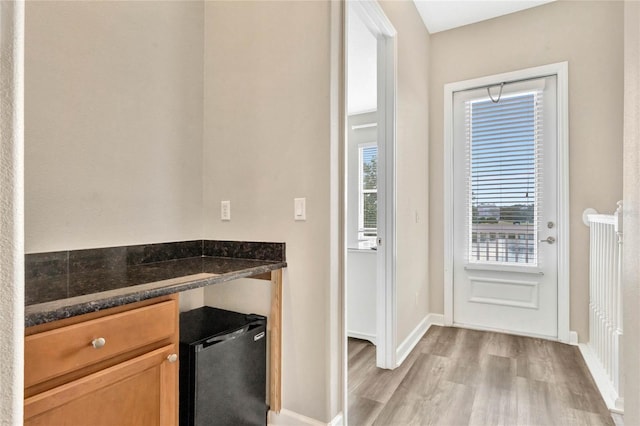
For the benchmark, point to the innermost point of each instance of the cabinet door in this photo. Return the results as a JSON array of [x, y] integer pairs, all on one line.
[[140, 392]]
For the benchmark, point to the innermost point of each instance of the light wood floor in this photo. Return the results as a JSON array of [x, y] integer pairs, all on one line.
[[456, 376]]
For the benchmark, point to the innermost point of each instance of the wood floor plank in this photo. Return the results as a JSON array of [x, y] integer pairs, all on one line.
[[585, 418], [380, 384], [537, 348], [493, 406], [425, 375], [452, 404], [574, 382], [537, 403], [360, 365], [587, 400], [535, 369], [505, 345], [446, 343], [467, 377], [465, 373], [357, 345], [471, 345], [499, 372], [429, 341], [496, 402], [363, 411], [404, 408]]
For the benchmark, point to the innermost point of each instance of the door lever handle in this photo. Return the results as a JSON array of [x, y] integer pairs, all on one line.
[[549, 240]]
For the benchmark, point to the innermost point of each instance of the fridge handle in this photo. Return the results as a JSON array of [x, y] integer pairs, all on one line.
[[224, 337]]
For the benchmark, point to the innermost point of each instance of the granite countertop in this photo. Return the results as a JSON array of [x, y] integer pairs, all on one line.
[[64, 284]]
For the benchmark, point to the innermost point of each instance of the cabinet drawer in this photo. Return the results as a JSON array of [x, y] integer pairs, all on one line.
[[56, 352]]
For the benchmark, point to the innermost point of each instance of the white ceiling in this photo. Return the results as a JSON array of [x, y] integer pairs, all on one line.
[[441, 15], [438, 15]]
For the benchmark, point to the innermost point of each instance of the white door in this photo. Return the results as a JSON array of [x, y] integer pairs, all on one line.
[[505, 269]]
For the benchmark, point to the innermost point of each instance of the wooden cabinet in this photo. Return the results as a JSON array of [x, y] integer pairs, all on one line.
[[140, 391], [115, 367]]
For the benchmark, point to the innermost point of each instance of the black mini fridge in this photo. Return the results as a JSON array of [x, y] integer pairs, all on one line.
[[222, 368]]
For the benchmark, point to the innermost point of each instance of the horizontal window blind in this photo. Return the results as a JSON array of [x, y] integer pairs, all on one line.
[[504, 178]]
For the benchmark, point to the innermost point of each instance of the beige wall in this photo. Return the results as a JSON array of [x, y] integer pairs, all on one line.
[[631, 216], [266, 133], [412, 152], [589, 36], [113, 123], [123, 149], [266, 142]]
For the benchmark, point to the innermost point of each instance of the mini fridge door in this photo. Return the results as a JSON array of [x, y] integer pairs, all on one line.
[[228, 379]]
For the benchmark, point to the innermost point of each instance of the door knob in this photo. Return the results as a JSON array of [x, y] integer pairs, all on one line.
[[172, 358], [549, 240]]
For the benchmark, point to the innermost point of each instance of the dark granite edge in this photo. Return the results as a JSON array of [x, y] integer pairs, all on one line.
[[65, 308]]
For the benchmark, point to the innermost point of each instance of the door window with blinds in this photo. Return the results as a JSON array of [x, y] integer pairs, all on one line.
[[503, 171], [368, 192]]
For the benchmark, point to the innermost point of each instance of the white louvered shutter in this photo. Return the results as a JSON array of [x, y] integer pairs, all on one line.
[[504, 178]]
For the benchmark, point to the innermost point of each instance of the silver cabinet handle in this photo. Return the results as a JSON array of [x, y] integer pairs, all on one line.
[[172, 358], [98, 343], [549, 240]]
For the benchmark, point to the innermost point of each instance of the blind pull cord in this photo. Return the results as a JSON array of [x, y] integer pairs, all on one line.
[[495, 101]]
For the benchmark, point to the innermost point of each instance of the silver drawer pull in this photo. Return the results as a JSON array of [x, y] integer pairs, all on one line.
[[172, 358], [98, 343]]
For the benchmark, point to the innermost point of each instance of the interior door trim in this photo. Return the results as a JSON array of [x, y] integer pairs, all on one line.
[[561, 70], [379, 24]]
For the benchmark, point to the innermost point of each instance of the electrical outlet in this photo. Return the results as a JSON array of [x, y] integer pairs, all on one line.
[[225, 210]]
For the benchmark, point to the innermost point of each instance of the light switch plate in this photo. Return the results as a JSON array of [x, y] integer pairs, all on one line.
[[225, 210], [300, 209]]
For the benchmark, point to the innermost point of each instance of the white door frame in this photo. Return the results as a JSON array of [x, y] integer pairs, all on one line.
[[377, 22], [12, 33], [561, 70]]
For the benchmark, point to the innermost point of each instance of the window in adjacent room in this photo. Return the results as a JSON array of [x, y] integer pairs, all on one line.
[[368, 192]]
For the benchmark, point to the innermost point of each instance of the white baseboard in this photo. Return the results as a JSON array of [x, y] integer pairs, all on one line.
[[337, 420], [362, 336], [573, 338], [435, 319], [414, 337], [614, 403], [291, 418]]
